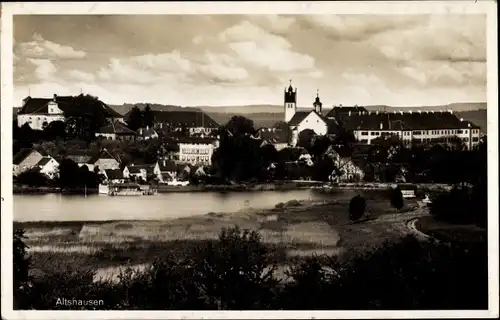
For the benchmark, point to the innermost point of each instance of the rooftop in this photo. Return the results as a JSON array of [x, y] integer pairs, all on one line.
[[405, 121], [189, 119], [66, 104], [23, 154], [117, 127]]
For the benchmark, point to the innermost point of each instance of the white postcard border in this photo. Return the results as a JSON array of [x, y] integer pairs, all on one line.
[[299, 7]]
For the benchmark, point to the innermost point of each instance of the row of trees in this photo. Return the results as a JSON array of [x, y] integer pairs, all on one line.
[[138, 118], [237, 272]]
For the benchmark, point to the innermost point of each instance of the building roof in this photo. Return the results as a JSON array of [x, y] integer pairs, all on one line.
[[44, 161], [335, 111], [114, 174], [167, 166], [405, 121], [134, 169], [23, 154], [65, 103], [146, 132], [103, 154], [117, 127], [298, 117], [189, 119], [273, 135], [149, 167], [79, 158]]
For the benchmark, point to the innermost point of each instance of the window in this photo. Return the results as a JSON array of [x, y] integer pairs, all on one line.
[[417, 133], [460, 131], [364, 133], [373, 133], [475, 139], [466, 132]]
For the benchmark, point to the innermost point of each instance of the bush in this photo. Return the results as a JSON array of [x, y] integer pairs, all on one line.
[[21, 279], [397, 200], [357, 207], [236, 273], [454, 207]]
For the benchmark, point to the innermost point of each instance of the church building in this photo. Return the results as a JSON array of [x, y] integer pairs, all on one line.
[[299, 120]]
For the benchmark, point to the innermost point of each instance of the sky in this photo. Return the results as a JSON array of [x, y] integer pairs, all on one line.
[[225, 60]]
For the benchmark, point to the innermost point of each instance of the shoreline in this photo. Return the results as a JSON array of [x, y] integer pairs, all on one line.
[[273, 186]]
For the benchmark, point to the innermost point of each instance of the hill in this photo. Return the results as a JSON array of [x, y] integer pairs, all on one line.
[[268, 115]]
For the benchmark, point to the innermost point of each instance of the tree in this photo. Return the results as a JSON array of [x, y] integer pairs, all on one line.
[[55, 130], [84, 117], [239, 125], [69, 174], [237, 263], [397, 200], [305, 139], [357, 207], [33, 178], [135, 119], [320, 145], [148, 116], [238, 158]]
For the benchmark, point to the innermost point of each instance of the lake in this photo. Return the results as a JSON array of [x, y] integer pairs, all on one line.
[[57, 207]]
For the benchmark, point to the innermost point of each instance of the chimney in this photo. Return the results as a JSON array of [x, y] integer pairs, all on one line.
[[461, 119], [55, 97], [468, 124], [349, 113], [451, 111], [420, 111], [147, 127], [401, 111], [376, 112], [164, 162], [381, 125], [359, 113], [411, 112], [369, 113], [340, 105]]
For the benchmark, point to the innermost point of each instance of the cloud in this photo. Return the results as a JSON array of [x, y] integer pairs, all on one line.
[[457, 38], [238, 59], [275, 23], [81, 76], [262, 49], [40, 48], [360, 27], [436, 73], [45, 70]]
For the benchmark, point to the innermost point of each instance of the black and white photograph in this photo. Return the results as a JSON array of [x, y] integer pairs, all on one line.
[[295, 159]]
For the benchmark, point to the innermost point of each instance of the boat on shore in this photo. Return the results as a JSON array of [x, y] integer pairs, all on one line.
[[126, 189]]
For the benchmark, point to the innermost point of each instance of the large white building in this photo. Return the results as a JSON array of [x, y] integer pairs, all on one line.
[[39, 112], [411, 127], [197, 151]]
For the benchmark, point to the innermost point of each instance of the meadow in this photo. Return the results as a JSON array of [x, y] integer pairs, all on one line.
[[292, 230]]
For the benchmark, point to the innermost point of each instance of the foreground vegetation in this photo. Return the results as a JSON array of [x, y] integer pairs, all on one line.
[[334, 255], [236, 271]]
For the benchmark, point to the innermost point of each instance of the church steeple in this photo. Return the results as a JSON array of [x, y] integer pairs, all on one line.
[[290, 102], [318, 105]]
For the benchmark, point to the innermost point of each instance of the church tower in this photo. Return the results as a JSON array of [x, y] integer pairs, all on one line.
[[290, 102], [318, 105]]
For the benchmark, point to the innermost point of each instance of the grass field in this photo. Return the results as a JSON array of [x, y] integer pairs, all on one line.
[[293, 230]]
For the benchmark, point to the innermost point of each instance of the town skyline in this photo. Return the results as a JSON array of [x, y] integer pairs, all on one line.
[[400, 60]]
